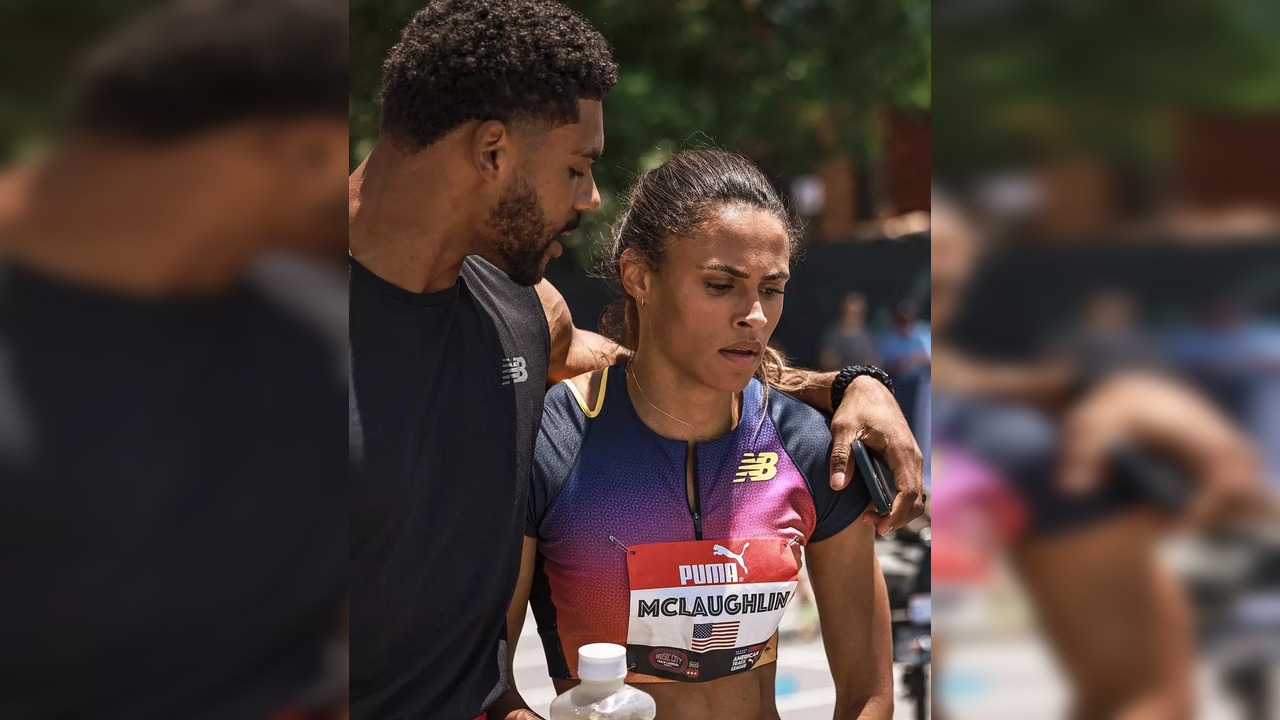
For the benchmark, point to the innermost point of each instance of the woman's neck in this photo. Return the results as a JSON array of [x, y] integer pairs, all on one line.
[[676, 406]]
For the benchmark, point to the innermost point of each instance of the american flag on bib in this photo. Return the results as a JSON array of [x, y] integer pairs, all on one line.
[[714, 636]]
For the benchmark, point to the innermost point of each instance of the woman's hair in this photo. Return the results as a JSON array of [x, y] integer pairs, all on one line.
[[667, 204]]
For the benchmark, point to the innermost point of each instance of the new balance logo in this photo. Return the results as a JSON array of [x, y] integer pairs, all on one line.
[[514, 371], [757, 467]]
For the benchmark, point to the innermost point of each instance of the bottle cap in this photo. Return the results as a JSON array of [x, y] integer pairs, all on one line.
[[602, 661]]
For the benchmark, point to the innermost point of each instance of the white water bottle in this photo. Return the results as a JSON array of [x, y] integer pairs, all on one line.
[[602, 695]]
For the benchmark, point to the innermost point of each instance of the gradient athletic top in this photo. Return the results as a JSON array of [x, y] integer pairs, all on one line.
[[694, 594]]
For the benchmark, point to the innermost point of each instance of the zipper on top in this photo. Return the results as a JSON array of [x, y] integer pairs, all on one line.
[[696, 508]]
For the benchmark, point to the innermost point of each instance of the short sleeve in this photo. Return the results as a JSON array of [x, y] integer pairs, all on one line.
[[806, 437], [560, 439], [836, 510]]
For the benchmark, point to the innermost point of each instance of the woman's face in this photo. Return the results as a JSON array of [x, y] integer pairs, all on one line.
[[715, 301]]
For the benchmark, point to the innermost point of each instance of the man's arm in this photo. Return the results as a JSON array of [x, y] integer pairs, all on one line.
[[1162, 415], [869, 413], [574, 351], [1044, 384], [511, 706]]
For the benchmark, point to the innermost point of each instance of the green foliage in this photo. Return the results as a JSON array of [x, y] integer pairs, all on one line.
[[41, 42], [786, 82], [1026, 78]]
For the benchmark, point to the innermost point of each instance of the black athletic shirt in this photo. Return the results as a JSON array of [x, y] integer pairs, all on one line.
[[172, 504], [446, 397]]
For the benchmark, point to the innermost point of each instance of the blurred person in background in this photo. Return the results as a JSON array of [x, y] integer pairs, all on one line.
[[483, 165], [1233, 352], [904, 350], [693, 406], [1025, 467], [174, 484], [847, 341], [1106, 335]]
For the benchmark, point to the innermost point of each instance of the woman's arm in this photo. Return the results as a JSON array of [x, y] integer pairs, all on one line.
[[853, 605], [511, 706]]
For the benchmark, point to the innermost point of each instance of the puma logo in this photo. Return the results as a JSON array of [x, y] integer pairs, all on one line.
[[726, 552]]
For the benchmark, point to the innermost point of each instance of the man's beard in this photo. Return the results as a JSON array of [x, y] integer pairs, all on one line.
[[521, 232]]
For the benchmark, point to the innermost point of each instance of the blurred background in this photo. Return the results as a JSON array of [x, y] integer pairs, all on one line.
[[832, 100], [1111, 175]]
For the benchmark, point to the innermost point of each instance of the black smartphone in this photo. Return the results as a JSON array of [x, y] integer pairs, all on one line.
[[875, 476]]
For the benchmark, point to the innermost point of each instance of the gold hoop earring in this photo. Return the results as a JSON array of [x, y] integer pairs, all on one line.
[[641, 300]]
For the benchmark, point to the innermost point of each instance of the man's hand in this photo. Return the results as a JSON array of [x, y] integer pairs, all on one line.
[[522, 715], [870, 413], [511, 707], [1162, 415]]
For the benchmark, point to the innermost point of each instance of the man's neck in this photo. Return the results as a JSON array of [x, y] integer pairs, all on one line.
[[676, 406], [120, 222], [404, 226]]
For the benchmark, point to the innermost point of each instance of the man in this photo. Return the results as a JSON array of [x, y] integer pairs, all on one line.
[[492, 117], [170, 435]]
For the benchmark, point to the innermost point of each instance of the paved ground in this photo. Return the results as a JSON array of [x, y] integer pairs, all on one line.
[[1014, 678]]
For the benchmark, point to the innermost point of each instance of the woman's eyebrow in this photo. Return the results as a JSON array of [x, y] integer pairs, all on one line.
[[740, 273], [726, 269]]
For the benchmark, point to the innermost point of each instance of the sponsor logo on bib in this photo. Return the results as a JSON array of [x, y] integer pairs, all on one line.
[[669, 659]]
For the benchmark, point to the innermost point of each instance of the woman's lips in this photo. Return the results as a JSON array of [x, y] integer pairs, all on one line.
[[741, 358]]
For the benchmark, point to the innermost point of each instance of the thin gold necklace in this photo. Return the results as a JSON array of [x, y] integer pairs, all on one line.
[[631, 374]]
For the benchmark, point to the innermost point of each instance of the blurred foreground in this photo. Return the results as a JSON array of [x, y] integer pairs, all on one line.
[[172, 317]]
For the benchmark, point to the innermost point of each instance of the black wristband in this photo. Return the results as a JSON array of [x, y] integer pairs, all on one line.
[[847, 375]]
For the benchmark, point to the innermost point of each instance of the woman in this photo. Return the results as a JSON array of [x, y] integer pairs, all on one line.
[[672, 494]]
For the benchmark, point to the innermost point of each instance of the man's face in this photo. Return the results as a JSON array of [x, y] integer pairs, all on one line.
[[551, 188]]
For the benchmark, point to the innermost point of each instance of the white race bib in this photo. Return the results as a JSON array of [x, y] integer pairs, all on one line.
[[704, 609]]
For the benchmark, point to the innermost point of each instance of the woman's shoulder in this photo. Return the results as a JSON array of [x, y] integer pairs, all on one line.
[[584, 393], [804, 432], [791, 416]]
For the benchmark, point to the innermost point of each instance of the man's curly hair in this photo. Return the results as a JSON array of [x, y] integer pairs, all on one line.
[[463, 60]]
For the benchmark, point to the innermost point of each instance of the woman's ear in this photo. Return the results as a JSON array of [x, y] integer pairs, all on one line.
[[636, 274]]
